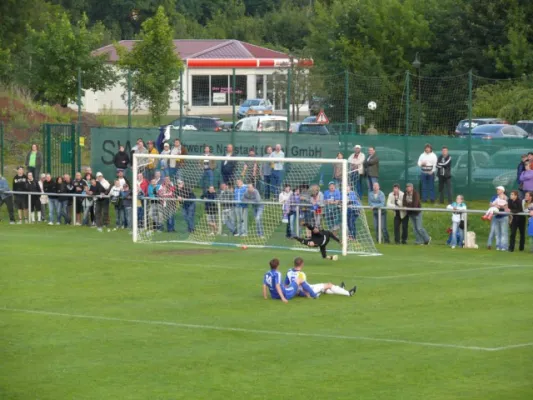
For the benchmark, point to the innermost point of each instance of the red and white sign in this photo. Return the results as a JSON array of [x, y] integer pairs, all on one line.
[[321, 118]]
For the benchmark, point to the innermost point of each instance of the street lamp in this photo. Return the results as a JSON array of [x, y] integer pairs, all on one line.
[[417, 64]]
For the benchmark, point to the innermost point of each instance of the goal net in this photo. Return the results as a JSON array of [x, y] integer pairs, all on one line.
[[262, 201]]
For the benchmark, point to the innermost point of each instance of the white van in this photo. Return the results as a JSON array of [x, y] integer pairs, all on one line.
[[262, 123]]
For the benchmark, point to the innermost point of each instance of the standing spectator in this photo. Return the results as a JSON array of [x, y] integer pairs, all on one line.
[[167, 194], [428, 164], [354, 211], [62, 201], [49, 187], [376, 199], [211, 209], [157, 178], [6, 198], [87, 202], [241, 210], [126, 198], [372, 130], [293, 204], [154, 211], [458, 220], [526, 178], [266, 173], [116, 201], [176, 164], [186, 198], [89, 174], [500, 203], [142, 193], [316, 198], [226, 196], [164, 163], [34, 161], [208, 166], [306, 212], [411, 199], [444, 172], [139, 148], [519, 169], [356, 161], [227, 168], [20, 184], [337, 171], [121, 159], [518, 222], [70, 189], [43, 199], [123, 180], [153, 163], [101, 202], [528, 208], [499, 224], [251, 195], [277, 170], [78, 185], [284, 198], [332, 200], [250, 171], [371, 166], [395, 200], [35, 207]]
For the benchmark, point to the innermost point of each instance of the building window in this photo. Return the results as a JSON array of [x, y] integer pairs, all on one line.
[[240, 89], [200, 90], [259, 87], [220, 90]]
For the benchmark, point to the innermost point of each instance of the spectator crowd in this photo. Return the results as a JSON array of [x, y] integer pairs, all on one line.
[[244, 188]]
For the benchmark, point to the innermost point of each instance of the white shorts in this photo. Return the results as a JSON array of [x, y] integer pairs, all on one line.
[[318, 287]]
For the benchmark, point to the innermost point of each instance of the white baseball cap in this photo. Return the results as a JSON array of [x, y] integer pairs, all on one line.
[[500, 188]]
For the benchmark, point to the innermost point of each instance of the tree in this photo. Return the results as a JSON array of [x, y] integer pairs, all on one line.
[[56, 54], [154, 65]]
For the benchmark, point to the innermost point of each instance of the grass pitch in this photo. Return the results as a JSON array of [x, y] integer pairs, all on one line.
[[92, 316]]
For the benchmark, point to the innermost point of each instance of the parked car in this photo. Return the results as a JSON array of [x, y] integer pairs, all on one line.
[[501, 167], [463, 125], [312, 128], [254, 107], [499, 131], [309, 120], [198, 123], [459, 166], [263, 123], [526, 125]]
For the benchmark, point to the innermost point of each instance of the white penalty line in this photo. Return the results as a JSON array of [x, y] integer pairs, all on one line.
[[263, 332]]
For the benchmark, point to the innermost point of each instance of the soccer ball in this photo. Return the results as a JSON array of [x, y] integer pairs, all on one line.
[[372, 105], [335, 257]]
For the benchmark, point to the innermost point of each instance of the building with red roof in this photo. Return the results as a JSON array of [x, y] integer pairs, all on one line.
[[208, 76]]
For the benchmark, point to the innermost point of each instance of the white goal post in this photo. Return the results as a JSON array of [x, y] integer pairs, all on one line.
[[179, 207]]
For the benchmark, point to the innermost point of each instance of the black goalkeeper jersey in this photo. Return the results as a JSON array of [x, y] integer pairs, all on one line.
[[321, 238]]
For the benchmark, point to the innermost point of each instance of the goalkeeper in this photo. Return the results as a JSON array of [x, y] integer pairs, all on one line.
[[319, 238]]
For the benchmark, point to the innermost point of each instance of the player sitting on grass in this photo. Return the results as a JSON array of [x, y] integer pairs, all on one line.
[[319, 238], [272, 282], [309, 290]]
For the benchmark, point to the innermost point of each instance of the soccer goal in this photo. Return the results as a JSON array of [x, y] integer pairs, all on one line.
[[261, 202]]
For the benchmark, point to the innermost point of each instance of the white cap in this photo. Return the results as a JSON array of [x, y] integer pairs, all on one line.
[[166, 145], [500, 188], [99, 174], [357, 146]]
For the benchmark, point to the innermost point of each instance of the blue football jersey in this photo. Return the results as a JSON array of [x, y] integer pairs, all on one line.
[[271, 279]]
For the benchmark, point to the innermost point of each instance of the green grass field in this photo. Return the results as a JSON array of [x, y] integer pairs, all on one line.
[[92, 316]]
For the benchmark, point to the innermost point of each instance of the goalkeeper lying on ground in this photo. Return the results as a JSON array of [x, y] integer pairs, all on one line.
[[319, 238]]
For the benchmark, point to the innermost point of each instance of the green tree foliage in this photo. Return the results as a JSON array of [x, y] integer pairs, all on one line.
[[510, 100], [56, 54], [153, 65]]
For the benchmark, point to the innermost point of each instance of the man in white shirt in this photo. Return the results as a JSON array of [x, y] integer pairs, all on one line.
[[356, 169], [176, 164], [277, 170], [428, 165]]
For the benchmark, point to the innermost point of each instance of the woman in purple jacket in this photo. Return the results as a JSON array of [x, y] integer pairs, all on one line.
[[526, 178]]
